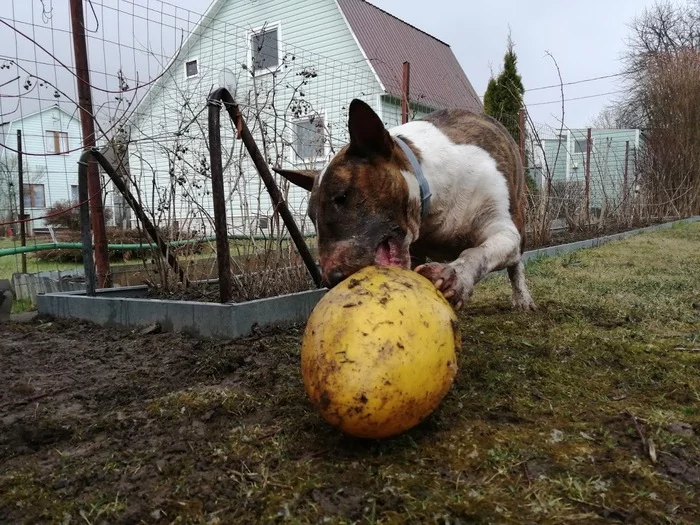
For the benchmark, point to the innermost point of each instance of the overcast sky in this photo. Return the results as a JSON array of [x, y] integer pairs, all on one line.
[[587, 39]]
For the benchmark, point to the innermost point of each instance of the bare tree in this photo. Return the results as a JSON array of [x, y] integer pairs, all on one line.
[[8, 187], [610, 117], [663, 70]]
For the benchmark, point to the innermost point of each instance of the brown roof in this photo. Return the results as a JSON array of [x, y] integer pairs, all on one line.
[[436, 77]]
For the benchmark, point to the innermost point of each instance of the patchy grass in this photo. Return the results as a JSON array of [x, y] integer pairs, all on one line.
[[22, 305], [586, 410]]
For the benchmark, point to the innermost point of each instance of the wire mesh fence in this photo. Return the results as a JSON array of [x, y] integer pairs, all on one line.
[[590, 179], [152, 68]]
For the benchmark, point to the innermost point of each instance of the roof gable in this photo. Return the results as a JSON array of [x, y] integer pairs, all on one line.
[[437, 79], [388, 42], [35, 113]]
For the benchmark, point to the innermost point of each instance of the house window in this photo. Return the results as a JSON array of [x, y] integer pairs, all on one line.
[[264, 48], [580, 145], [74, 195], [34, 196], [191, 68], [56, 141], [310, 138]]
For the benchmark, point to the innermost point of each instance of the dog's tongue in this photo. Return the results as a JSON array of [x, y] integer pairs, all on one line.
[[388, 254], [383, 254]]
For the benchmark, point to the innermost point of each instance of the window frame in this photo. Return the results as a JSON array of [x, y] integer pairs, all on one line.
[[276, 26], [196, 61], [31, 204], [326, 143], [583, 140], [62, 141]]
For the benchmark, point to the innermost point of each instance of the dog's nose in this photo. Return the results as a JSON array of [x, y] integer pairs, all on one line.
[[335, 276]]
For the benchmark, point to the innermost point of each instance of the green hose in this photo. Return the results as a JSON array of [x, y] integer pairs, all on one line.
[[76, 245]]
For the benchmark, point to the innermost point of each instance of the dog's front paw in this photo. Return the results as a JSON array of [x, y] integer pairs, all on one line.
[[445, 279]]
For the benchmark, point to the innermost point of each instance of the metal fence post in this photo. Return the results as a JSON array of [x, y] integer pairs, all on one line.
[[223, 251], [405, 91], [85, 230], [20, 181], [625, 180], [588, 176], [88, 128], [521, 136]]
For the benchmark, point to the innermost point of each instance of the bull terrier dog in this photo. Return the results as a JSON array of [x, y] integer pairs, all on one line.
[[448, 188]]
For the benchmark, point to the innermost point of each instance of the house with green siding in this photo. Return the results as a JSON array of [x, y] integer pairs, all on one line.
[[612, 155], [52, 144], [293, 67]]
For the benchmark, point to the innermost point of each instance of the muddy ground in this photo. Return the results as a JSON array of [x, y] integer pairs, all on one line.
[[587, 410]]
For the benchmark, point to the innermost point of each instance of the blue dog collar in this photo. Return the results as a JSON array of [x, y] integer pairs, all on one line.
[[422, 181]]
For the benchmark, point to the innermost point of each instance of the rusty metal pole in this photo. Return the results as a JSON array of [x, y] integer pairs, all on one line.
[[223, 251], [405, 91], [280, 204], [150, 228], [88, 128], [20, 182], [521, 135], [588, 176]]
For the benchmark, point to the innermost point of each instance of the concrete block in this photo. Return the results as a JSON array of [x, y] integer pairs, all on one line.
[[195, 318]]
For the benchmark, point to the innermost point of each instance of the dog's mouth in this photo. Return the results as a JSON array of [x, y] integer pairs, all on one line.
[[389, 253]]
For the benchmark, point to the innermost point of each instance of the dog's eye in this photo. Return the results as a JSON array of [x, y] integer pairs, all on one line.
[[340, 199]]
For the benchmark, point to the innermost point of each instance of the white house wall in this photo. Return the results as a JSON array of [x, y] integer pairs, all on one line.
[[323, 70], [56, 172]]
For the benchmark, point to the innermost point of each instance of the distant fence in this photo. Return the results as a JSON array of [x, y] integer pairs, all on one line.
[[27, 286]]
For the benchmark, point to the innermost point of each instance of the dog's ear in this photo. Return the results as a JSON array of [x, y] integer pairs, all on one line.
[[368, 136], [302, 178]]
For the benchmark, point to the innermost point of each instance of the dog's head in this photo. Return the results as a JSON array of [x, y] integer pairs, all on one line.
[[365, 204]]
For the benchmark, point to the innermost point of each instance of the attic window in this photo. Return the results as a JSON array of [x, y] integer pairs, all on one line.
[[56, 141], [191, 68], [310, 142], [264, 49]]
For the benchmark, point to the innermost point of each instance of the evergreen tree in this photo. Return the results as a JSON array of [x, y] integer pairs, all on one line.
[[504, 94], [504, 98]]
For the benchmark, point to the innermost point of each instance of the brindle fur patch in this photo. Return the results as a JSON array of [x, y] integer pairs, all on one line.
[[466, 127]]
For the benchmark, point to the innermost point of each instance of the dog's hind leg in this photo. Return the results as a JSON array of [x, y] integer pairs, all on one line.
[[521, 295]]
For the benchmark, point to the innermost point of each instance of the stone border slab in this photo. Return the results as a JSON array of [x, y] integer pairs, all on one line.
[[128, 306], [192, 317]]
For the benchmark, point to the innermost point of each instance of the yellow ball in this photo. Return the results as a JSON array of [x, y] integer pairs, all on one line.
[[379, 352]]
